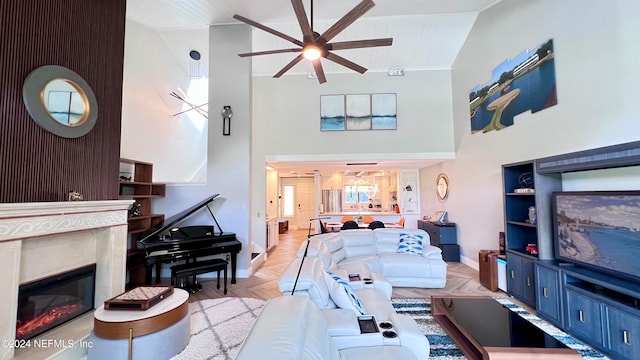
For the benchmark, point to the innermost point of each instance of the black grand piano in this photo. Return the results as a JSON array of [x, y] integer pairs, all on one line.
[[166, 242]]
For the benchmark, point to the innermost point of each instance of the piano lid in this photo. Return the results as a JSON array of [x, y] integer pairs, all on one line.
[[156, 230]]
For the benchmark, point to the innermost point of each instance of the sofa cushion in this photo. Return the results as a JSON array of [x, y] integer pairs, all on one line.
[[310, 281], [303, 333], [342, 293], [407, 266], [358, 242], [410, 243], [371, 261]]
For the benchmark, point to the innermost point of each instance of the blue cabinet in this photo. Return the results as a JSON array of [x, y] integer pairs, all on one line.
[[521, 278], [548, 299], [584, 316], [444, 236], [602, 310], [623, 332]]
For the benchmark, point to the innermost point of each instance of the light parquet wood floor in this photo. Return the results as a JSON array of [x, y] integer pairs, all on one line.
[[263, 284]]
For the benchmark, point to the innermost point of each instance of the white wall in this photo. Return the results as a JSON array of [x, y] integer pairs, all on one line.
[[596, 56], [287, 117], [228, 157], [177, 146]]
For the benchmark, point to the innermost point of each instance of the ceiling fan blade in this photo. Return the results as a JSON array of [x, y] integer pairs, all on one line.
[[345, 21], [301, 15], [291, 64], [268, 29], [269, 52], [346, 63], [342, 45], [317, 66]]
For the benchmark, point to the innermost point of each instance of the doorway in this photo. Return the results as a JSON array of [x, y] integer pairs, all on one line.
[[298, 200]]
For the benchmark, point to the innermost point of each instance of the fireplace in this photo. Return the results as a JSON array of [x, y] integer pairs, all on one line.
[[49, 240], [50, 302]]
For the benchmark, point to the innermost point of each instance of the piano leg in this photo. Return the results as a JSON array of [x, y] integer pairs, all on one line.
[[148, 271], [234, 260], [158, 271]]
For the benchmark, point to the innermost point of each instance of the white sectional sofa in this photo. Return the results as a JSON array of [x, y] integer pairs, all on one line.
[[378, 251], [292, 327], [314, 283]]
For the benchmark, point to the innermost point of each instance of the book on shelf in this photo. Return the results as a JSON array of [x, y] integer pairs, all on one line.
[[524, 191]]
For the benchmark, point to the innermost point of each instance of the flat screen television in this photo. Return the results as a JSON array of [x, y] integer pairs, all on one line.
[[599, 229]]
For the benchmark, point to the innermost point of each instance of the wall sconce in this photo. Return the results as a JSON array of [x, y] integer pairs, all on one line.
[[226, 120]]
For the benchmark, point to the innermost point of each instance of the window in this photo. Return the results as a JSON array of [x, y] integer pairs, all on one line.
[[288, 200], [355, 194]]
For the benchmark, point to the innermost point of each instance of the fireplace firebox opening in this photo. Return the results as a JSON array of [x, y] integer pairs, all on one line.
[[47, 303]]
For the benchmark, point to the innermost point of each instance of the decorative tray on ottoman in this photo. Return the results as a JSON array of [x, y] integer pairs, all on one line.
[[139, 298]]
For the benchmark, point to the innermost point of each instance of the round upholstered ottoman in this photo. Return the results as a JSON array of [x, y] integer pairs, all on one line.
[[159, 332]]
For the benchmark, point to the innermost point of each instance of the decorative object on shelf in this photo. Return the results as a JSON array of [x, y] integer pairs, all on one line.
[[125, 176], [227, 113], [532, 215], [442, 187], [532, 249], [60, 101], [526, 180], [75, 196], [440, 217], [135, 209]]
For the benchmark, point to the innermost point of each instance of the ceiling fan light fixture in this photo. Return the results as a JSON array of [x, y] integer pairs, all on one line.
[[311, 52]]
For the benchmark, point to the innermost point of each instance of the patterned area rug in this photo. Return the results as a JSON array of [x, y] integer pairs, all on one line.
[[443, 347], [218, 327]]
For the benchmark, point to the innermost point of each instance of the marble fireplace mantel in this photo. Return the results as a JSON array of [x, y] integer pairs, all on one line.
[[38, 240]]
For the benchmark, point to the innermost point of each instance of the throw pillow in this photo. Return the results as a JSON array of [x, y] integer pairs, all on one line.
[[342, 293], [410, 243]]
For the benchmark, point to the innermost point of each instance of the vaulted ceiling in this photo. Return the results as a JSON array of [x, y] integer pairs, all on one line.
[[427, 34]]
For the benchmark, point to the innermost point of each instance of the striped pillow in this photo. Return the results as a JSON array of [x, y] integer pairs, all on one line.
[[410, 243], [342, 294]]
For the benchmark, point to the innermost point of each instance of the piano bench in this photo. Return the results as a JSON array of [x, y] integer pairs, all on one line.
[[199, 267]]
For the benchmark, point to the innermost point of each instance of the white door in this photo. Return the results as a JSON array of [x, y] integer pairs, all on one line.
[[304, 202], [298, 200]]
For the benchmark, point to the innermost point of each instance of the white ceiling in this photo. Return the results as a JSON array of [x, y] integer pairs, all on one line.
[[428, 34]]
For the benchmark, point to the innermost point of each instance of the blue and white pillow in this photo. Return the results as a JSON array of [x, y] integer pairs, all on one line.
[[410, 243], [342, 294]]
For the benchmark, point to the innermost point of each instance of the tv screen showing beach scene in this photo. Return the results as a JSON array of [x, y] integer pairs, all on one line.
[[600, 230]]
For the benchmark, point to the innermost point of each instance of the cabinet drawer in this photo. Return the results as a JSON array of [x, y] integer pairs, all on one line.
[[623, 333], [584, 317]]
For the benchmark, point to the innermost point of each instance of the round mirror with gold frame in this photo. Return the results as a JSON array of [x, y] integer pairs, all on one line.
[[60, 101], [442, 187]]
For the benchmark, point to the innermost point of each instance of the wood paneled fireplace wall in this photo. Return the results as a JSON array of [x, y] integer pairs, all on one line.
[[88, 38]]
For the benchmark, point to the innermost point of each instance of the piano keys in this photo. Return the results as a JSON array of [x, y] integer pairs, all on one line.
[[168, 243]]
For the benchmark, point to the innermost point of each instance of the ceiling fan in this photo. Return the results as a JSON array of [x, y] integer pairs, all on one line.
[[314, 45]]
